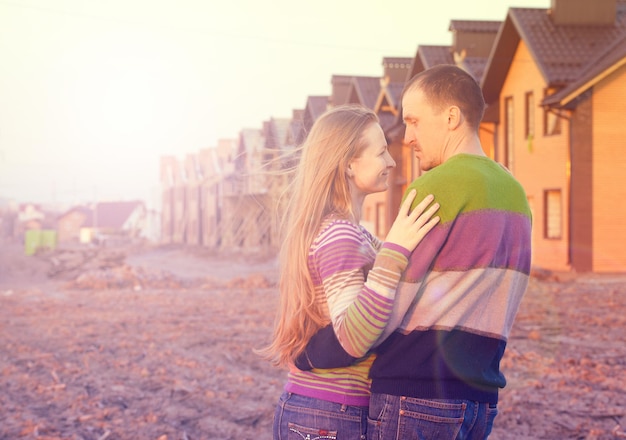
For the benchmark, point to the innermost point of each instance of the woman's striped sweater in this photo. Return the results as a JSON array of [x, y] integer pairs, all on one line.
[[356, 277]]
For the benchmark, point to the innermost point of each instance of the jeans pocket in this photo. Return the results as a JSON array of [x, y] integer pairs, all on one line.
[[492, 412], [430, 419], [379, 406], [297, 432]]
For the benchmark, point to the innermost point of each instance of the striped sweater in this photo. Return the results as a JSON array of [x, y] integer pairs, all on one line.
[[356, 276], [461, 290]]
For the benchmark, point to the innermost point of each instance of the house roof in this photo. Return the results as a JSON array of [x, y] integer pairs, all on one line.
[[474, 25], [315, 106], [110, 215], [597, 69], [429, 56], [115, 214], [475, 66], [364, 90], [561, 52]]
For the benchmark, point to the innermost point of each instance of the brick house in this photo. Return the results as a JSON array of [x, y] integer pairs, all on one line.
[[103, 221], [556, 82]]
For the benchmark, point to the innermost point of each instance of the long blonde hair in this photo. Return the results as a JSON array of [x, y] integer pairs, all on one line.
[[320, 188]]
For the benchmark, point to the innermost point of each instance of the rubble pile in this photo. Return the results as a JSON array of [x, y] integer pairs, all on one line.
[[106, 269], [127, 277], [67, 264]]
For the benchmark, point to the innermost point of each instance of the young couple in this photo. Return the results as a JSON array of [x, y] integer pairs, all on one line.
[[399, 339]]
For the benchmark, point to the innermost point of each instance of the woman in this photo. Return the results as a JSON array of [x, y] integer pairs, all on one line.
[[334, 271]]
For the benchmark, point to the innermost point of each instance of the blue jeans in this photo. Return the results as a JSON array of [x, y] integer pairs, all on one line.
[[305, 418], [407, 418]]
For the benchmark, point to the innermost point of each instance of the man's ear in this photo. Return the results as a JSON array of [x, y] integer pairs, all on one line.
[[455, 117]]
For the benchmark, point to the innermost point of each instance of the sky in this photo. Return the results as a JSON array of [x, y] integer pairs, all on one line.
[[94, 92]]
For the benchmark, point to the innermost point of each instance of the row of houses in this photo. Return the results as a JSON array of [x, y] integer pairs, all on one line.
[[100, 222], [554, 81]]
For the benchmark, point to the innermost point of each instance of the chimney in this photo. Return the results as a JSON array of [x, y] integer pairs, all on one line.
[[583, 12], [396, 69], [341, 87]]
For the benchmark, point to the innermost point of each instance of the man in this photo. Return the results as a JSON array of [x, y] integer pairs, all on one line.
[[437, 373]]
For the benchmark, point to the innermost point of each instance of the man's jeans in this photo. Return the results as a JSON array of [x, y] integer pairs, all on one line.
[[299, 417], [408, 418]]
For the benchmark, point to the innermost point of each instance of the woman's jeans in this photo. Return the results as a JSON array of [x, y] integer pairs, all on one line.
[[407, 418], [305, 418]]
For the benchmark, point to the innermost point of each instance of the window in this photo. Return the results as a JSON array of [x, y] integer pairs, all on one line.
[[509, 139], [552, 227], [551, 120], [530, 115]]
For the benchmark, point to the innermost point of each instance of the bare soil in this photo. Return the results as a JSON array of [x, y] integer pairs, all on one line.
[[157, 343]]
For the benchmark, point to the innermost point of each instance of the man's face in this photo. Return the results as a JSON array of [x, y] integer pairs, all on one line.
[[426, 129]]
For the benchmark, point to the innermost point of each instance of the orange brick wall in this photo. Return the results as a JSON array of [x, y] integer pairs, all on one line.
[[609, 173], [540, 165]]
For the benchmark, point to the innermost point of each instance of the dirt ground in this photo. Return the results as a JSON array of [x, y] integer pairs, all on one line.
[[157, 343]]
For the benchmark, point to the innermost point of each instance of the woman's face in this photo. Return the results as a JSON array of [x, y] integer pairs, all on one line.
[[369, 172]]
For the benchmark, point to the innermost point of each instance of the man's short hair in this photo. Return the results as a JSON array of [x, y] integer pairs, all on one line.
[[445, 85]]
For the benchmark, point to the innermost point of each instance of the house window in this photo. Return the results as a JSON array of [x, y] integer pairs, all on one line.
[[530, 115], [508, 133], [553, 214], [551, 120]]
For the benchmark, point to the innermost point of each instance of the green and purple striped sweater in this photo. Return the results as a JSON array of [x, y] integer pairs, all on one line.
[[458, 297]]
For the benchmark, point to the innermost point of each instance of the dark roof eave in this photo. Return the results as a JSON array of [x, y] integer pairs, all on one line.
[[509, 36], [499, 60]]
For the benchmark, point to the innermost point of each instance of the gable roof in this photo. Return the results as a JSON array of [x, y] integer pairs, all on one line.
[[387, 105], [597, 69], [115, 214], [364, 90], [110, 215], [315, 106], [429, 56], [561, 52]]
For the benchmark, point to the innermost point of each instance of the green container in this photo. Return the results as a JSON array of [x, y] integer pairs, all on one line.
[[39, 239], [32, 239]]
